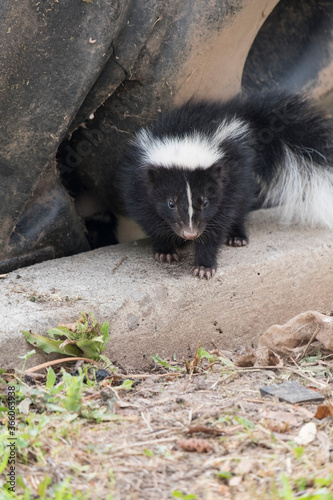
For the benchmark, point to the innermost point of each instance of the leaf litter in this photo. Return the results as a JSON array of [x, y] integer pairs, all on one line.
[[195, 428]]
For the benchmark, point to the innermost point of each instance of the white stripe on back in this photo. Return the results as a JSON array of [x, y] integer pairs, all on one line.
[[230, 130], [195, 150], [188, 152]]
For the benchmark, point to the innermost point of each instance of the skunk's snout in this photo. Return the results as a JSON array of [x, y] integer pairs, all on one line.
[[190, 235]]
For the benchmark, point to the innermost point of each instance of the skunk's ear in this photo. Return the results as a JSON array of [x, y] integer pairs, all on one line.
[[217, 170], [218, 173], [153, 173]]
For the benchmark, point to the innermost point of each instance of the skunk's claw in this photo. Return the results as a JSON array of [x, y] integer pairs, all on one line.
[[203, 272], [166, 257]]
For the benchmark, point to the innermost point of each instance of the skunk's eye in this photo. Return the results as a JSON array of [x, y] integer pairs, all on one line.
[[171, 204], [205, 203]]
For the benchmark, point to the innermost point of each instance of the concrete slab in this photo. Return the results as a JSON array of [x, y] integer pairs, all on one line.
[[160, 308]]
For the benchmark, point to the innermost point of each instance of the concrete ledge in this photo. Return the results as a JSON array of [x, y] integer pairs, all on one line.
[[160, 308]]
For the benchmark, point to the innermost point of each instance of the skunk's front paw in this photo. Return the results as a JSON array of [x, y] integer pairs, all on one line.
[[236, 241], [167, 257], [203, 272]]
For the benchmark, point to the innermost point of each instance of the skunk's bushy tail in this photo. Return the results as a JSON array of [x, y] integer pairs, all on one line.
[[296, 141], [303, 188]]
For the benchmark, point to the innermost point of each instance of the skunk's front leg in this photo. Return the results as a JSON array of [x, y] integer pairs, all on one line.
[[205, 259], [164, 252], [237, 236]]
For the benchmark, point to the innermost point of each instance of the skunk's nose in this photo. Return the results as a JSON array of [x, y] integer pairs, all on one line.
[[190, 235]]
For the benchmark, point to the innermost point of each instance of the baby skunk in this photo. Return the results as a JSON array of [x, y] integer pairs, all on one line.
[[197, 172]]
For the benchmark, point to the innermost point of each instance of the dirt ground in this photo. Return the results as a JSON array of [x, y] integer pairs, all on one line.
[[203, 432]]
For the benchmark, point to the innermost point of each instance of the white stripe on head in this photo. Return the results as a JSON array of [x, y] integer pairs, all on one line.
[[195, 150], [189, 152], [190, 205]]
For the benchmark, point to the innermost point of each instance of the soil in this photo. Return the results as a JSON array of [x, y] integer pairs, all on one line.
[[205, 433]]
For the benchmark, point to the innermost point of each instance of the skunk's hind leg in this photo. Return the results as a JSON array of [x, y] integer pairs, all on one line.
[[237, 236]]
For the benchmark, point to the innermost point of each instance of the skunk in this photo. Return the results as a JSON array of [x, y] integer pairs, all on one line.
[[197, 172]]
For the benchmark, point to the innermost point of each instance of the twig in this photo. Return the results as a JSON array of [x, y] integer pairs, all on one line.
[[204, 429], [299, 372], [295, 407], [313, 336], [194, 364], [146, 419], [115, 393], [145, 375], [144, 443], [157, 20], [57, 362], [212, 364], [119, 264]]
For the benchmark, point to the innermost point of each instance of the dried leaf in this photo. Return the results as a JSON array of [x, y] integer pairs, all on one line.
[[71, 326], [235, 481], [245, 360], [266, 357], [307, 434], [261, 357], [244, 467], [280, 427], [24, 406], [324, 411], [296, 335]]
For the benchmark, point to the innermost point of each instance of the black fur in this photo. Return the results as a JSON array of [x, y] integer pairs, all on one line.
[[235, 184]]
